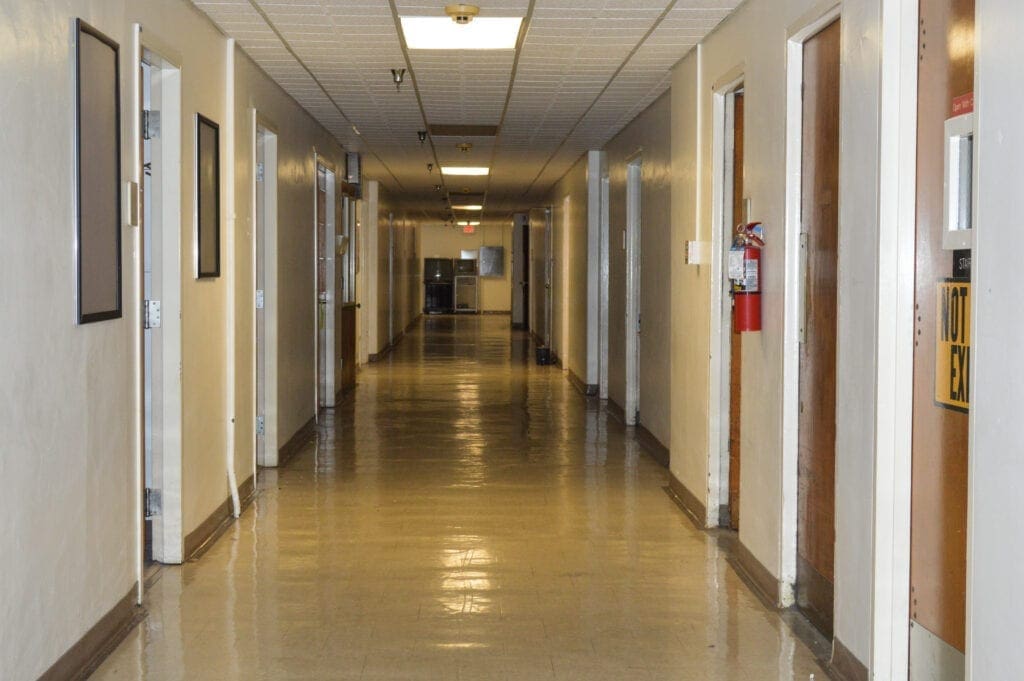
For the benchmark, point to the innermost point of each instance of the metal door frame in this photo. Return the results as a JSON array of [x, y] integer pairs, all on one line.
[[634, 190]]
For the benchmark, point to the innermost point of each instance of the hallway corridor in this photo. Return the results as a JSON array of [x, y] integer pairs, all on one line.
[[464, 514]]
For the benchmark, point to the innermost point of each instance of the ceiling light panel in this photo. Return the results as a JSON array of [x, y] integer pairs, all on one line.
[[441, 33], [465, 171]]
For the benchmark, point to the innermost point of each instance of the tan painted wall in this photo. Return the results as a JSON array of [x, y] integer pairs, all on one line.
[[753, 42], [406, 277], [569, 338], [298, 137], [438, 241], [67, 425], [649, 135]]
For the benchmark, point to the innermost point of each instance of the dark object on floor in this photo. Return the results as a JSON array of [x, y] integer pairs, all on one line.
[[543, 356]]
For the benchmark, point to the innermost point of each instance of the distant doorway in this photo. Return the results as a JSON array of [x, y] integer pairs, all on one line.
[[520, 271], [326, 293], [346, 286], [160, 217], [265, 318], [733, 213]]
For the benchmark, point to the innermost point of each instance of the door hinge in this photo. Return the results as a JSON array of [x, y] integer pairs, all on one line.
[[150, 124], [153, 502], [259, 171], [259, 299], [151, 314], [261, 426]]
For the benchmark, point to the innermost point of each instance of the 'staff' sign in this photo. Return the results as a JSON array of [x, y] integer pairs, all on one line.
[[953, 344]]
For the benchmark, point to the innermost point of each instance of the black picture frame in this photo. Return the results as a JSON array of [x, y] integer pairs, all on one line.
[[98, 218], [207, 236]]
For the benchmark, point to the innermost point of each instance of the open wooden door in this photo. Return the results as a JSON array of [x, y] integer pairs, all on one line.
[[820, 250], [938, 542]]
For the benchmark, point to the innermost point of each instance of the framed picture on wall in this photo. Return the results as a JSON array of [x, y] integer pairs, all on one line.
[[97, 175], [207, 238]]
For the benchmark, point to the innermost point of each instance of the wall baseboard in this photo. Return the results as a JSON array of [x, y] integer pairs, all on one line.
[[374, 357], [340, 396], [687, 501], [813, 589], [589, 390], [615, 410], [761, 580], [296, 442], [199, 540], [845, 664], [646, 438], [88, 652], [648, 441]]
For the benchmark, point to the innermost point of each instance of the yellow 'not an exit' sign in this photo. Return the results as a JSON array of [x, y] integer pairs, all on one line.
[[953, 344]]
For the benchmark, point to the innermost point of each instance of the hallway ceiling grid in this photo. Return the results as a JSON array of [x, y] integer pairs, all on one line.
[[585, 69]]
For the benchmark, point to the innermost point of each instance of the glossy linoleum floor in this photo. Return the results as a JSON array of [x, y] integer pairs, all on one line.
[[464, 514]]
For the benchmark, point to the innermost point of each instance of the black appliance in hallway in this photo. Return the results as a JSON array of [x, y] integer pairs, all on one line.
[[438, 285], [466, 290]]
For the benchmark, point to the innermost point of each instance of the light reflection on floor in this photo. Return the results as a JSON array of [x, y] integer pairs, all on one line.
[[464, 515]]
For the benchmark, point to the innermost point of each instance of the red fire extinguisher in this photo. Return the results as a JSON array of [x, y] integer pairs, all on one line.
[[745, 276]]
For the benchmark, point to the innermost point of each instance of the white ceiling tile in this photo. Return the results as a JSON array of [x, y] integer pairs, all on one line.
[[585, 70]]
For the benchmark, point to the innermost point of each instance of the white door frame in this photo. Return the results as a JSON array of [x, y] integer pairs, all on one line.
[[325, 349], [634, 211], [549, 276], [168, 539], [894, 385], [593, 346], [602, 338], [723, 223], [391, 279], [562, 263], [265, 220], [367, 293]]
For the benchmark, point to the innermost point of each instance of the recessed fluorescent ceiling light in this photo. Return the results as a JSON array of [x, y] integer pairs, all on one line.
[[470, 223], [468, 207], [441, 33], [456, 170]]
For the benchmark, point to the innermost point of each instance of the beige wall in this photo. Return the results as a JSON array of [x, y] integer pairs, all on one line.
[[300, 141], [648, 136], [752, 43], [569, 337], [69, 487], [397, 232], [438, 241]]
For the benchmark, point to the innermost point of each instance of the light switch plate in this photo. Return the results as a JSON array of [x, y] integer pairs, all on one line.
[[697, 252]]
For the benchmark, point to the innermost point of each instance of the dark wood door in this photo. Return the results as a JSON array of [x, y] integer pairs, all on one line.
[[938, 544], [817, 421], [736, 347], [348, 347]]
